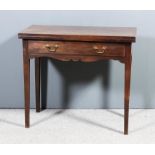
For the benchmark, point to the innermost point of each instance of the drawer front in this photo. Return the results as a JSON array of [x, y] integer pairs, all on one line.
[[76, 48]]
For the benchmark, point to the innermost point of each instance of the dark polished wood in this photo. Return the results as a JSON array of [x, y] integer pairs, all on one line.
[[26, 66], [75, 43], [76, 48], [128, 60], [37, 83], [79, 33]]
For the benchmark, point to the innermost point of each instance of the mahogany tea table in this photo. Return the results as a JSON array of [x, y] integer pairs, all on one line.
[[76, 43]]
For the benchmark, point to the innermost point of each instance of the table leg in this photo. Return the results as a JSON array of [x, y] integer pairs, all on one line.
[[128, 60], [26, 68], [37, 83]]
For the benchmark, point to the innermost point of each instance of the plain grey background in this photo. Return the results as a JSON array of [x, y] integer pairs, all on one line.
[[79, 85]]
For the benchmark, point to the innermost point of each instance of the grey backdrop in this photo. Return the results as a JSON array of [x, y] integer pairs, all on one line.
[[79, 85]]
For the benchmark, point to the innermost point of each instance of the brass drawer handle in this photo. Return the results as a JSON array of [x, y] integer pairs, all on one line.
[[100, 51], [52, 48]]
